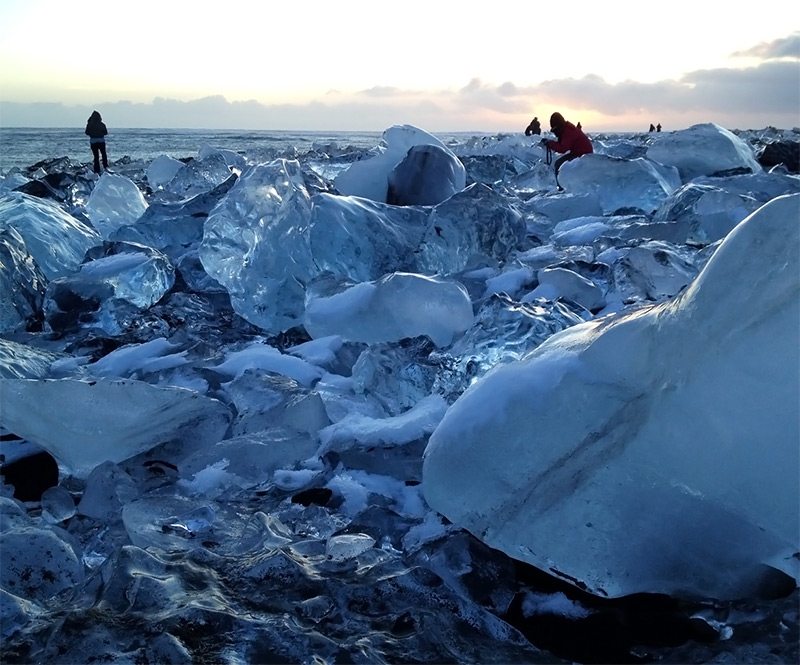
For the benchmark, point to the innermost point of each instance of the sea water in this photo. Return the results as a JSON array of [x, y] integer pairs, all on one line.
[[22, 147]]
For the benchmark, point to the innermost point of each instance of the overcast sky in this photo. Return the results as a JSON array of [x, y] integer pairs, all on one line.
[[367, 64]]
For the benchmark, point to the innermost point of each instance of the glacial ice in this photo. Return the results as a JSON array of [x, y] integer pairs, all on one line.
[[255, 244], [39, 562], [362, 240], [427, 175], [113, 272], [315, 448], [474, 227], [199, 176], [711, 211], [652, 451], [369, 178], [84, 423], [642, 183], [161, 170], [245, 461], [115, 201], [702, 150], [397, 306], [56, 240], [22, 284]]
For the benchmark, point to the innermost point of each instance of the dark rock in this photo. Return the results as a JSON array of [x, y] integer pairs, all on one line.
[[31, 476], [781, 152]]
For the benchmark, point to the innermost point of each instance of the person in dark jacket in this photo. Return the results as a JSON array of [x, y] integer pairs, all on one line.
[[96, 131], [534, 128], [570, 140]]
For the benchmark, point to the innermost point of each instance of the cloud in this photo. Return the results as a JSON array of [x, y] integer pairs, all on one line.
[[750, 97], [382, 91], [787, 47]]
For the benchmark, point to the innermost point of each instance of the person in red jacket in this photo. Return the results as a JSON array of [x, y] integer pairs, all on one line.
[[570, 140]]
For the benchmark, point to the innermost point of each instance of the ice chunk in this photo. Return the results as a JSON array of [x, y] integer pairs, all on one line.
[[108, 488], [369, 178], [397, 306], [152, 356], [245, 461], [363, 431], [474, 227], [348, 546], [656, 451], [557, 283], [265, 400], [710, 211], [620, 183], [177, 523], [114, 273], [232, 158], [559, 207], [174, 227], [255, 245], [363, 240], [427, 175], [115, 201], [653, 271], [199, 175], [22, 285], [703, 149], [20, 361], [57, 505], [38, 563], [85, 423], [56, 240], [161, 170], [263, 356]]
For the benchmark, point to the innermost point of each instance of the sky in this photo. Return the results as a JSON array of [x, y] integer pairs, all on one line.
[[366, 65]]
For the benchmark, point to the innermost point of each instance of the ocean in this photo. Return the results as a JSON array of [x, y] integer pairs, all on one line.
[[21, 147]]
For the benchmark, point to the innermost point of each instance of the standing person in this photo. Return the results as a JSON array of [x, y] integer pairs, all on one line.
[[533, 128], [570, 140], [96, 131], [652, 127]]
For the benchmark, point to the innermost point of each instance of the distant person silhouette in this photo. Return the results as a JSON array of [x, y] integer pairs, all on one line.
[[652, 127], [571, 140], [658, 127], [534, 128], [579, 126], [96, 131]]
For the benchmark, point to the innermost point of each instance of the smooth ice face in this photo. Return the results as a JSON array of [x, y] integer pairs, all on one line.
[[55, 239], [652, 452], [161, 170], [703, 150], [395, 307], [363, 240], [114, 202], [83, 423], [620, 183]]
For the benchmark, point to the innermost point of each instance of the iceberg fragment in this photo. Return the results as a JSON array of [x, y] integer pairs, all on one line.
[[656, 451]]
